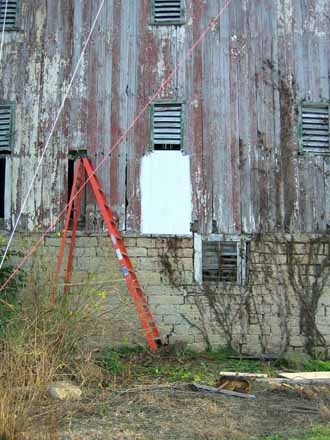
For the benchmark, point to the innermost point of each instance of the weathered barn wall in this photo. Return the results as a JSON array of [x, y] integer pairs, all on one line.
[[240, 89]]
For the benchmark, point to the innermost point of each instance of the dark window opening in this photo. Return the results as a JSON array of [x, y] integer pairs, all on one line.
[[167, 126], [167, 147], [167, 11], [8, 14], [2, 187], [220, 261], [315, 127], [82, 211]]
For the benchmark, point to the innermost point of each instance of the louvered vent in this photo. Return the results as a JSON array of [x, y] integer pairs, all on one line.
[[220, 262], [5, 128], [315, 128], [8, 13], [167, 123], [167, 11]]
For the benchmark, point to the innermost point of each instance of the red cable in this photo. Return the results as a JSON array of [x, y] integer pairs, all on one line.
[[122, 137]]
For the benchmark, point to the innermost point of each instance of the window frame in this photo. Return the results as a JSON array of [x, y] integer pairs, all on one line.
[[242, 257], [15, 26], [152, 125], [11, 127], [176, 22], [307, 150]]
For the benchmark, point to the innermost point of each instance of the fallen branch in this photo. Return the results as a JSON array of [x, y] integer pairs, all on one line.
[[153, 388], [197, 387], [259, 357]]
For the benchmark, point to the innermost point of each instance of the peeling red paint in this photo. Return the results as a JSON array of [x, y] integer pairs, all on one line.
[[240, 128]]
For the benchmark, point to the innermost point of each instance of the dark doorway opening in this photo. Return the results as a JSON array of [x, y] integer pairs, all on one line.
[[71, 164], [72, 161]]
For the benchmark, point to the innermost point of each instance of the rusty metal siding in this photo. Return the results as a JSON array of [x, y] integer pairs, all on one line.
[[240, 89]]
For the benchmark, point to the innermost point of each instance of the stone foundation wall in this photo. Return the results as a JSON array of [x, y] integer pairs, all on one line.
[[285, 304]]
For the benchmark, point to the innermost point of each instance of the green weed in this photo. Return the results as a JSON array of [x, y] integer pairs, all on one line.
[[314, 433], [317, 365]]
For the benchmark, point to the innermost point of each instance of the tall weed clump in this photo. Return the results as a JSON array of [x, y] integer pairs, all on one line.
[[40, 344]]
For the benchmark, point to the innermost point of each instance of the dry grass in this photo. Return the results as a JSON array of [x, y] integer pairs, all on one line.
[[38, 346]]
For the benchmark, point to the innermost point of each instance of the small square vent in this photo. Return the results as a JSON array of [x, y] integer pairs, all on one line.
[[8, 13], [167, 11], [5, 128], [167, 126], [315, 128]]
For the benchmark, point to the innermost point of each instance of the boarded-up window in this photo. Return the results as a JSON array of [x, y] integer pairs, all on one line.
[[167, 11], [315, 128], [220, 260], [167, 126], [6, 122], [8, 14]]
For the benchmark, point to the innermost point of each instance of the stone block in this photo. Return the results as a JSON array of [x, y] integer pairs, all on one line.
[[64, 391], [104, 242], [164, 309], [172, 319], [106, 252], [187, 278], [268, 258], [187, 339], [187, 264], [149, 263], [189, 310], [137, 252], [197, 346], [85, 252], [86, 242], [296, 341], [185, 253], [158, 299], [153, 252], [148, 279], [165, 290], [146, 242], [53, 241], [130, 241]]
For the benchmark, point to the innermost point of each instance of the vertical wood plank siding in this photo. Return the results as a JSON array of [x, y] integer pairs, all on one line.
[[240, 91]]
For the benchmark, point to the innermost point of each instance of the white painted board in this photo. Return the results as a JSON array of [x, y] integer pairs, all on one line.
[[166, 196], [306, 375]]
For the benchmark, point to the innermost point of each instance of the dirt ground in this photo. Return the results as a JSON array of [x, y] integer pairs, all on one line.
[[184, 414]]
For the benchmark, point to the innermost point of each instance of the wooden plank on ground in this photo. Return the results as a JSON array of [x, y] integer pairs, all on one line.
[[313, 375], [236, 374]]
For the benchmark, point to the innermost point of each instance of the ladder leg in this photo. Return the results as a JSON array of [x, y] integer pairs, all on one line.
[[74, 232], [65, 233], [145, 315]]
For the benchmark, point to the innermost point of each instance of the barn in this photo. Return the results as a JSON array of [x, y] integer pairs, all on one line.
[[210, 124]]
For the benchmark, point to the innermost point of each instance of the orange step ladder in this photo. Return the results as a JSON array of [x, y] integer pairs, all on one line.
[[84, 167]]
